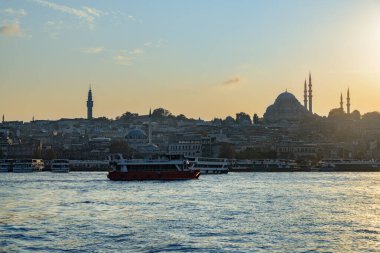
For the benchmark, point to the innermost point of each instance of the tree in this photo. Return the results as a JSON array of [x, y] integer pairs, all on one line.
[[227, 151], [337, 113], [243, 119], [127, 116], [181, 117], [255, 119], [120, 146], [160, 113], [251, 153], [371, 117], [228, 121], [50, 154], [355, 115], [102, 119], [37, 152]]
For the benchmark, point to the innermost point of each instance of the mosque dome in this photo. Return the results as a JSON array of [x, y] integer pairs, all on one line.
[[286, 107], [286, 97], [136, 134]]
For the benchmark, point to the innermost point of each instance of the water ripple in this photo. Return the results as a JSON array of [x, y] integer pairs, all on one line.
[[256, 212]]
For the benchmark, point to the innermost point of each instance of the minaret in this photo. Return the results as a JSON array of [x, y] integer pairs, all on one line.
[[3, 119], [310, 95], [341, 101], [150, 127], [348, 101], [90, 104], [305, 95]]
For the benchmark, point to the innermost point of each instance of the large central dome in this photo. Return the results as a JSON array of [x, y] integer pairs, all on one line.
[[286, 107]]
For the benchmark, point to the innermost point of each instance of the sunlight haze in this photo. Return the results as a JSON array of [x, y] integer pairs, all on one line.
[[200, 58]]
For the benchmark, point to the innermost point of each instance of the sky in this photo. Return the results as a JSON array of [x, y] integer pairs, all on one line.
[[201, 58]]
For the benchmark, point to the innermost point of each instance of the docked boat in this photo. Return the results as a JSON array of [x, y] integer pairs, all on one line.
[[5, 165], [157, 169], [209, 165], [241, 166], [275, 165], [348, 165], [26, 166], [60, 166]]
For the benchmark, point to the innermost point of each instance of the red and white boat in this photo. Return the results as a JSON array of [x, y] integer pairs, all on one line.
[[158, 169]]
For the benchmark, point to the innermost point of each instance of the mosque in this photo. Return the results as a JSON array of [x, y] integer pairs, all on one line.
[[287, 110]]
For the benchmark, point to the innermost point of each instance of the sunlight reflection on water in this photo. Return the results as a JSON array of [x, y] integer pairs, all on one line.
[[261, 212]]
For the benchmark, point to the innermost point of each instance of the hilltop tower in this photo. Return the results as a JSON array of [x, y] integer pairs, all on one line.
[[310, 95], [341, 101], [348, 101], [305, 95], [90, 104]]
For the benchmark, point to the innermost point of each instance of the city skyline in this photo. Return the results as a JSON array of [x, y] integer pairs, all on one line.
[[226, 56]]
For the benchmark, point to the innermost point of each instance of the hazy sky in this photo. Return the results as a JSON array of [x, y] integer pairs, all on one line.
[[202, 58]]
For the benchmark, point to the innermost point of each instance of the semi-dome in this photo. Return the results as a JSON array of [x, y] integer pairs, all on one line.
[[286, 107]]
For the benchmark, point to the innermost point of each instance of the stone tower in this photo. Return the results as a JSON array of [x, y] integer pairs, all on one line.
[[90, 104]]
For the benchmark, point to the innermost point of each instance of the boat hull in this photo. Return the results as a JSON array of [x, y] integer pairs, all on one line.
[[241, 170], [153, 175], [349, 169], [213, 171]]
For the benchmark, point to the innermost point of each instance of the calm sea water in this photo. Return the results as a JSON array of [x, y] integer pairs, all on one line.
[[237, 212]]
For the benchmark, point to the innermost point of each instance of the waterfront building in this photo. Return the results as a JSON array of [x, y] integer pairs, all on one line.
[[186, 148], [296, 150]]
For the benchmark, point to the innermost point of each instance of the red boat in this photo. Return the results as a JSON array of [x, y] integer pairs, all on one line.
[[157, 169]]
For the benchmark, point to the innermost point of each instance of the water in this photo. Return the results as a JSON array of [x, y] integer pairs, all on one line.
[[237, 212]]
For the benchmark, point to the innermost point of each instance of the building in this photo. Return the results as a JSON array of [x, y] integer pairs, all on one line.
[[296, 150], [286, 108], [90, 104], [186, 148]]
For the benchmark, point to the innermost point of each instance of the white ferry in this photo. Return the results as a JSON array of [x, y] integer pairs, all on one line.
[[209, 165], [347, 165], [60, 166], [27, 165], [241, 166], [5, 165], [275, 165]]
